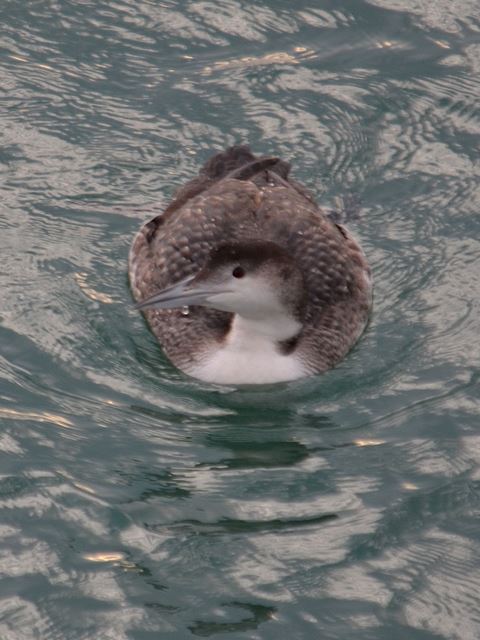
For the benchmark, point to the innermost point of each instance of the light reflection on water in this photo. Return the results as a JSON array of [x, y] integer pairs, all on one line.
[[136, 502]]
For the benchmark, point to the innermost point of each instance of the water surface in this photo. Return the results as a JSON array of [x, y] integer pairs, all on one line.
[[136, 503]]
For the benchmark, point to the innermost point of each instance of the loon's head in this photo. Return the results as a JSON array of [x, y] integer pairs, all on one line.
[[256, 280]]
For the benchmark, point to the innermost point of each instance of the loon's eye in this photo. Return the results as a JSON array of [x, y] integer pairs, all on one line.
[[238, 272]]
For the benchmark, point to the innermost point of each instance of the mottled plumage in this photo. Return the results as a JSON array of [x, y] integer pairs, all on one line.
[[240, 198]]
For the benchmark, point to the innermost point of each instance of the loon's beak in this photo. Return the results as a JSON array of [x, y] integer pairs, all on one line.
[[181, 295]]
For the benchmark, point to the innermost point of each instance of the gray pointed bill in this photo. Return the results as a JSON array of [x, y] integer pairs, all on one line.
[[180, 294]]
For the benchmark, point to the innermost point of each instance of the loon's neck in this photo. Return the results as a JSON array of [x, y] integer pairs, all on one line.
[[277, 328], [251, 353]]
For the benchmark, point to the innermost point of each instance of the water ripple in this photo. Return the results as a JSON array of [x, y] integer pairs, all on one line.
[[136, 502]]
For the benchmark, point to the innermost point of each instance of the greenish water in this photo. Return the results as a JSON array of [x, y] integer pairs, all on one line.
[[136, 503]]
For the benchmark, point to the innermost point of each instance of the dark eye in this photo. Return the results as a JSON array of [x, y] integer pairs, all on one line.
[[238, 272]]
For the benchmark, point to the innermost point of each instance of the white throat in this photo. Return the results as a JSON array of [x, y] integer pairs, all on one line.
[[251, 354], [276, 328]]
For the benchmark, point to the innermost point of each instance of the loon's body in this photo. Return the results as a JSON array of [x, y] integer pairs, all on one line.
[[275, 289]]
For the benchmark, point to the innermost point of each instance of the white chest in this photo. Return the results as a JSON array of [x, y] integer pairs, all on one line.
[[248, 358]]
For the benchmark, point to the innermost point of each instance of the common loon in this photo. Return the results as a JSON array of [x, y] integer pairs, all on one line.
[[245, 280]]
